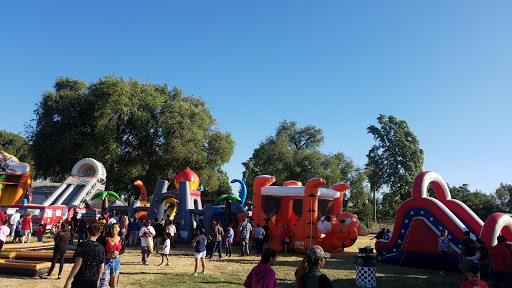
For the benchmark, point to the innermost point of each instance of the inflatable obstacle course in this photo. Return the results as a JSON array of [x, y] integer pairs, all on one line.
[[419, 221]]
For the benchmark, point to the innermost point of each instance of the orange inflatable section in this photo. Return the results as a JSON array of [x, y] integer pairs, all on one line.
[[310, 222]]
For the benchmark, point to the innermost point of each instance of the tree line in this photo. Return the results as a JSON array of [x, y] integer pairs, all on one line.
[[150, 132]]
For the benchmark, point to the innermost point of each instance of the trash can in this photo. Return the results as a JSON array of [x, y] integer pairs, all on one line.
[[365, 268]]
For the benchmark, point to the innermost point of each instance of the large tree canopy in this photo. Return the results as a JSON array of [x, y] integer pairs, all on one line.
[[394, 161], [138, 131], [15, 145], [293, 153]]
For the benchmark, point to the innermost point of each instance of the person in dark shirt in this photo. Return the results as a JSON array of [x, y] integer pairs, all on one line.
[[380, 235], [308, 274], [59, 249], [82, 228], [467, 250], [159, 232], [73, 224], [89, 261]]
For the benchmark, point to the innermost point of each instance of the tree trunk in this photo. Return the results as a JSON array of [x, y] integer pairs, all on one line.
[[375, 206], [227, 213]]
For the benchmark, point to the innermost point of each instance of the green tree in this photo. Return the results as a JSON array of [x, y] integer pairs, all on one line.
[[138, 131], [293, 153], [394, 161], [15, 145]]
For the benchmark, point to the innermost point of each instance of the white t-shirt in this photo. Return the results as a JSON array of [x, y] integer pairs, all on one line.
[[258, 232], [167, 246], [143, 240], [4, 231], [15, 218], [171, 229]]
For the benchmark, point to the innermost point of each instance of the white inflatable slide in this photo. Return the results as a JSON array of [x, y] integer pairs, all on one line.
[[87, 177]]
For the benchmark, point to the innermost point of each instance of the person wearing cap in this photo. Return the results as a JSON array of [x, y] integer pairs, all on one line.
[[467, 253], [263, 276], [501, 262], [146, 235], [308, 274]]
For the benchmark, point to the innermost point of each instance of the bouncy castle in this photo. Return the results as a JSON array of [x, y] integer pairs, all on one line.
[[419, 221], [314, 215]]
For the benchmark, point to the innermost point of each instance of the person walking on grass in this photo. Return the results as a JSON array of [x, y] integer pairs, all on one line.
[[26, 228], [229, 239], [171, 229], [4, 231], [17, 232], [166, 249], [134, 228], [308, 274], [59, 249], [217, 235], [146, 235], [263, 276], [114, 248], [200, 250], [89, 261], [245, 233], [14, 220]]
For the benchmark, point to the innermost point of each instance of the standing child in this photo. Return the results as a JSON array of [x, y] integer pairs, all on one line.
[[89, 261], [166, 249], [26, 228], [473, 279], [40, 233], [4, 231], [17, 233], [229, 240], [200, 250]]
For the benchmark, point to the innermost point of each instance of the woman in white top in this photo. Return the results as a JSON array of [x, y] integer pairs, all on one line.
[[171, 229]]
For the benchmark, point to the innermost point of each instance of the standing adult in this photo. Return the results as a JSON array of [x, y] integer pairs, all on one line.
[[123, 225], [217, 235], [14, 221], [146, 235], [258, 234], [73, 226], [199, 244], [266, 228], [114, 248], [501, 263], [159, 232], [308, 274], [26, 228], [467, 251], [59, 249], [263, 276], [484, 262], [134, 228], [82, 228], [245, 232], [444, 248]]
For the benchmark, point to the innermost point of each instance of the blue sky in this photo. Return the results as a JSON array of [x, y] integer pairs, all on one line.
[[442, 66]]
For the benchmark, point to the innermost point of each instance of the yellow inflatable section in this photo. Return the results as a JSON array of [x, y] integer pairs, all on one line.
[[173, 212]]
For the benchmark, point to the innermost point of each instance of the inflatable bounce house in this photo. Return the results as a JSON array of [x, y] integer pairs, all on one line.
[[314, 214], [419, 221], [165, 204], [15, 179], [88, 176]]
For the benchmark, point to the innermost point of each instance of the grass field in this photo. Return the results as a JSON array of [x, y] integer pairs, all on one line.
[[231, 272]]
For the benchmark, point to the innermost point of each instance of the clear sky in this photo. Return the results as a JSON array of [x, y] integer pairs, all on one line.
[[445, 67]]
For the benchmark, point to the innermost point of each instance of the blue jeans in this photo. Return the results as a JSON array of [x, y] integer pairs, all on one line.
[[259, 244], [81, 236], [215, 244], [112, 267]]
